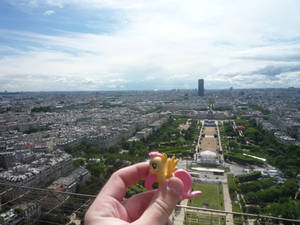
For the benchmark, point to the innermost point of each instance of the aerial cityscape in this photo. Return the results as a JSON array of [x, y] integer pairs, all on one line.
[[92, 88], [244, 142]]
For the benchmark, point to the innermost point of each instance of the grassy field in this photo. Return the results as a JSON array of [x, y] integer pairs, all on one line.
[[212, 196]]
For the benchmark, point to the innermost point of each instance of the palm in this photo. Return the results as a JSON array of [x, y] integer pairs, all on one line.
[[152, 207], [121, 213]]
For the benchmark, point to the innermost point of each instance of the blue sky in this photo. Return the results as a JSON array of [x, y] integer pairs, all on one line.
[[48, 45]]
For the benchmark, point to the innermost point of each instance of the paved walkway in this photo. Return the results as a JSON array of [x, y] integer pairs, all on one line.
[[177, 218], [226, 196], [227, 204]]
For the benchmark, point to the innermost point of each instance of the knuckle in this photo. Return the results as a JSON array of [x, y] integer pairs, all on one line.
[[163, 207]]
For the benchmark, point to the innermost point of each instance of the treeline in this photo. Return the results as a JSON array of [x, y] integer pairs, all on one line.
[[256, 185], [229, 129], [237, 156], [107, 105], [35, 129], [103, 162], [248, 177], [235, 146], [265, 196], [262, 196], [170, 140], [168, 132], [166, 139], [88, 150], [264, 144], [156, 109], [192, 133], [258, 142], [31, 130], [41, 109], [260, 109]]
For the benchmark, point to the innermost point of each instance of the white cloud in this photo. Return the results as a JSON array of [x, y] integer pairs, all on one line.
[[48, 12], [166, 44]]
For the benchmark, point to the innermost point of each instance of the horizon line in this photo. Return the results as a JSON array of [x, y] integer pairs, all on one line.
[[155, 90]]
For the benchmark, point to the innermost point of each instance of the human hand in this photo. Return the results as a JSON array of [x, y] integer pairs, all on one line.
[[147, 208]]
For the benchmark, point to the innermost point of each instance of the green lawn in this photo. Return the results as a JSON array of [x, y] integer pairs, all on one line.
[[212, 196]]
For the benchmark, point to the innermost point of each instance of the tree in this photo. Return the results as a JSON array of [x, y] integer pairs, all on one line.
[[290, 188], [249, 187], [253, 134], [125, 145], [97, 169], [114, 149], [248, 177], [233, 144], [287, 209], [269, 195], [78, 162], [251, 198]]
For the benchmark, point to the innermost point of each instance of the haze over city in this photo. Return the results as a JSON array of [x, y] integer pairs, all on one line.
[[93, 45]]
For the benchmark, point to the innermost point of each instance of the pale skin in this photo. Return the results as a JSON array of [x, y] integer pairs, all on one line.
[[147, 208]]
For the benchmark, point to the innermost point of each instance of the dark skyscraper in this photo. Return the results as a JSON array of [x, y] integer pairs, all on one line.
[[201, 87]]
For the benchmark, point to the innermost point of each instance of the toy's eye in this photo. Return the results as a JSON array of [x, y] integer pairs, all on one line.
[[154, 165]]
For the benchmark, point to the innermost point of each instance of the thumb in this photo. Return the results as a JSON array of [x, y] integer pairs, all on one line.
[[163, 203]]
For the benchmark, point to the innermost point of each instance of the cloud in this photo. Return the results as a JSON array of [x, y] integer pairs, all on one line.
[[160, 45], [280, 52], [99, 4], [48, 12], [272, 70]]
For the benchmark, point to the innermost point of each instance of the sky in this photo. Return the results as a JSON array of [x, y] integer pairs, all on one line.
[[95, 45]]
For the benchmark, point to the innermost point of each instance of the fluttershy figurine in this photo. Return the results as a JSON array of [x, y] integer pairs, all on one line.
[[162, 168]]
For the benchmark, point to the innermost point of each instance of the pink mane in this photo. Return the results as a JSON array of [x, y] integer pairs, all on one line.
[[155, 154]]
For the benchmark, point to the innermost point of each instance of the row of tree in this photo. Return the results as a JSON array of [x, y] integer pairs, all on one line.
[[256, 185], [264, 196], [103, 162], [273, 193], [284, 157], [248, 177], [41, 109]]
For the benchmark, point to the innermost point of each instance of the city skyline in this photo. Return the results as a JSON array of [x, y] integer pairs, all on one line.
[[57, 146], [97, 45]]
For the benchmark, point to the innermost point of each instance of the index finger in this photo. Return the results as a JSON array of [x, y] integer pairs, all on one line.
[[123, 178]]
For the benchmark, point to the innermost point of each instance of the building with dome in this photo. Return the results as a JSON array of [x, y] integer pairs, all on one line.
[[208, 157]]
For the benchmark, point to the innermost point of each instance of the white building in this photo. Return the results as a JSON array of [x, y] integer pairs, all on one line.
[[208, 158]]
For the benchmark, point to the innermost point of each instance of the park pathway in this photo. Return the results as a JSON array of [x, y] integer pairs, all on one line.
[[226, 196], [177, 217], [227, 204]]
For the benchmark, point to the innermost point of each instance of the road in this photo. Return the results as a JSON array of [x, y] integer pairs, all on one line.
[[198, 141], [227, 204], [208, 177], [235, 168], [219, 140]]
